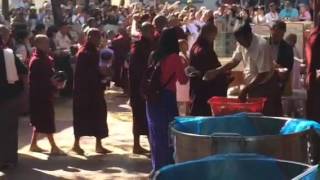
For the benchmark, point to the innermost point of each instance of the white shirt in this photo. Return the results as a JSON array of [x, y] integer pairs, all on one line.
[[259, 19], [48, 20], [271, 17], [62, 42], [78, 19], [18, 4], [193, 29], [134, 29], [199, 23], [256, 59]]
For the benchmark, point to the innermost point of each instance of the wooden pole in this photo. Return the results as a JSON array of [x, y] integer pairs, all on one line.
[[57, 12], [5, 9]]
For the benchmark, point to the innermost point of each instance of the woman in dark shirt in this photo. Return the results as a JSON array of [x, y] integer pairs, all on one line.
[[203, 58], [161, 113]]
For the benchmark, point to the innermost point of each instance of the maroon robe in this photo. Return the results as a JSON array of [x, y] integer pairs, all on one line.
[[313, 64], [156, 36], [121, 47], [41, 93], [203, 58], [180, 33], [140, 52], [89, 106]]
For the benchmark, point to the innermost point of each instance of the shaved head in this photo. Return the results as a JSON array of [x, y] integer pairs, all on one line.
[[94, 37], [93, 32], [160, 22], [4, 34], [3, 29], [39, 39], [147, 30], [41, 42]]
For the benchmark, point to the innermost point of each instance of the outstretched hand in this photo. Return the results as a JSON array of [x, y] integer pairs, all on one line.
[[243, 96], [192, 71], [58, 84], [318, 74], [210, 75]]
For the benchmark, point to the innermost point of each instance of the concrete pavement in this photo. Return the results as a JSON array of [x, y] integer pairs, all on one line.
[[120, 164]]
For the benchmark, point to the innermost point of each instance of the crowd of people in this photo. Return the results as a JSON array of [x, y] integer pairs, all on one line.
[[160, 57]]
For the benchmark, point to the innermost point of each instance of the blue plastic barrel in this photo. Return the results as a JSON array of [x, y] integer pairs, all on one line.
[[199, 137], [233, 167], [312, 173]]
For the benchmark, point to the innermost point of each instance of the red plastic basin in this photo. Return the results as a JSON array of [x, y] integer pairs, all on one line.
[[225, 106]]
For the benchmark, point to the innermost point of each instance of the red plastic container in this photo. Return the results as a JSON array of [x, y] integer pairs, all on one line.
[[225, 106]]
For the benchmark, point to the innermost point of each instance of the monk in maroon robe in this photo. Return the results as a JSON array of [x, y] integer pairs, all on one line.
[[159, 22], [140, 52], [42, 88], [121, 47], [89, 106], [204, 58], [313, 74]]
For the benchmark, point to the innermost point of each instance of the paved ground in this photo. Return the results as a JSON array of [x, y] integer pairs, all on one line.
[[121, 164]]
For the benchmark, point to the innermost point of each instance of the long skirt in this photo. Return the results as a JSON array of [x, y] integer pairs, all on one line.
[[90, 119], [9, 112], [183, 92], [140, 123], [159, 116], [117, 72], [42, 115], [272, 91]]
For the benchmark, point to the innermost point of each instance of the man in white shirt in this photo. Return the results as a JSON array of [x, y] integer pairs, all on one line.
[[62, 59], [20, 4], [80, 17], [193, 30], [62, 40], [45, 15], [260, 79], [273, 15]]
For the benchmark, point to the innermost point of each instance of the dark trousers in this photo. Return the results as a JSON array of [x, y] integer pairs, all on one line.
[[272, 91], [159, 116], [9, 111]]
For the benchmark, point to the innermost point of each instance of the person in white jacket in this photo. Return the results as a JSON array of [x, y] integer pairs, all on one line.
[[273, 15]]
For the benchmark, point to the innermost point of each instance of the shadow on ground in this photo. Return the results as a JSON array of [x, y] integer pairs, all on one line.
[[67, 167], [120, 164]]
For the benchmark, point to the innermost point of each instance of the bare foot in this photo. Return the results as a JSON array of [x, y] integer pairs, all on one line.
[[78, 150], [102, 150], [139, 150], [57, 152], [36, 148]]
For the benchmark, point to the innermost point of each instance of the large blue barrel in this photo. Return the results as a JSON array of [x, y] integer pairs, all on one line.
[[312, 173], [199, 137], [233, 166]]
